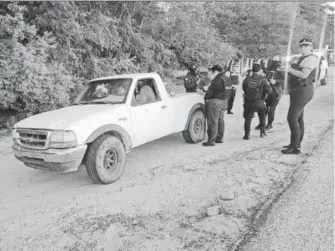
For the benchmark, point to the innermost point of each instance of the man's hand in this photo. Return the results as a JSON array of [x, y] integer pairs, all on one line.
[[272, 81]]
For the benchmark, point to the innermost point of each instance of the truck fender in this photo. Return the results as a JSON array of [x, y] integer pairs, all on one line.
[[198, 106], [113, 130]]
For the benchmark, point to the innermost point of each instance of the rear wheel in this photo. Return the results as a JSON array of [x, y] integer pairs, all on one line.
[[106, 159], [196, 129]]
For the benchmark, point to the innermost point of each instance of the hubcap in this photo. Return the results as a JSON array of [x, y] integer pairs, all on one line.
[[198, 126], [110, 160]]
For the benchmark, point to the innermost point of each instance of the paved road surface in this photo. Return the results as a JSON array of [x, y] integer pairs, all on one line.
[[303, 218]]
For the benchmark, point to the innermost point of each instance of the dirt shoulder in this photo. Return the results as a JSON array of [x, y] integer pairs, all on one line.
[[163, 200]]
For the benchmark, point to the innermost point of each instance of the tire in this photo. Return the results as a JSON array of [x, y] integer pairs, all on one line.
[[324, 80], [196, 129], [99, 162]]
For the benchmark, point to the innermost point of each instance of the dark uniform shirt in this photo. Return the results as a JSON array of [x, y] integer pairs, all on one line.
[[217, 89], [190, 81], [278, 87], [204, 82], [263, 86]]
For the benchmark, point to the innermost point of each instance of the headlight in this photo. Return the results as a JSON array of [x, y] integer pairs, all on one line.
[[15, 136], [62, 139]]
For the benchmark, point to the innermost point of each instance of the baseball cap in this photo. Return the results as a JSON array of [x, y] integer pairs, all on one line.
[[305, 41], [215, 68]]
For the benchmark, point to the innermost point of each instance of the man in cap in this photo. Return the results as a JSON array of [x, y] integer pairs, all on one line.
[[256, 89], [234, 77], [191, 79], [216, 103], [276, 79], [301, 77]]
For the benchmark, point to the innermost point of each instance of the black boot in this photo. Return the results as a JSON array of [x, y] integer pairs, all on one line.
[[246, 135], [290, 146], [263, 133], [269, 127], [258, 127], [230, 112], [208, 143], [291, 150]]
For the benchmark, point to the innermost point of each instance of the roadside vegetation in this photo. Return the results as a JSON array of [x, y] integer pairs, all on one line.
[[49, 49]]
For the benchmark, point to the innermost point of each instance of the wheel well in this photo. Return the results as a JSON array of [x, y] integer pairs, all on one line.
[[113, 130], [112, 133]]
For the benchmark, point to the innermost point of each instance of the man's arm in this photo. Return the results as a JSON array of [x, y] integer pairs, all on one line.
[[210, 92], [307, 65], [279, 78], [266, 88], [245, 84]]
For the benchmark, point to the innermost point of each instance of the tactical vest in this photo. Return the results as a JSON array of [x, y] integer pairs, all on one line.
[[190, 81], [294, 82], [254, 90]]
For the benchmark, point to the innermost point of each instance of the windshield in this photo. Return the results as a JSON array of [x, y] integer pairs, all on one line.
[[107, 91]]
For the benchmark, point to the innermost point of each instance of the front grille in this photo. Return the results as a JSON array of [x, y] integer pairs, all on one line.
[[34, 139]]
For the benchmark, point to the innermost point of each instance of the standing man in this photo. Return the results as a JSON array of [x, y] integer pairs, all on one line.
[[234, 81], [276, 80], [191, 79], [256, 89], [216, 103], [301, 78]]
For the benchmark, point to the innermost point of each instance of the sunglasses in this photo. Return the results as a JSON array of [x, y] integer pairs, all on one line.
[[304, 45]]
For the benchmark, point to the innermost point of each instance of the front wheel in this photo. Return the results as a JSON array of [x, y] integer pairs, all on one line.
[[196, 129], [106, 159]]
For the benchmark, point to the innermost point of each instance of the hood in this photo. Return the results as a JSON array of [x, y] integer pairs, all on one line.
[[62, 118]]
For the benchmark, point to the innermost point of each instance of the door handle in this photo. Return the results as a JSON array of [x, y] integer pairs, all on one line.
[[163, 106]]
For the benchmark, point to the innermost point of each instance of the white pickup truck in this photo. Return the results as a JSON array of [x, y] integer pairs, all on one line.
[[110, 117]]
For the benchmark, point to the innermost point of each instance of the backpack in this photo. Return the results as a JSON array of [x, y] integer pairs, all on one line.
[[253, 92], [190, 82]]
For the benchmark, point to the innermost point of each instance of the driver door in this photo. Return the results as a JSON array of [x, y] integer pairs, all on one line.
[[147, 113]]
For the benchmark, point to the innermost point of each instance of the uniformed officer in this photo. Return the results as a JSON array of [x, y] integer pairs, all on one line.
[[276, 79], [216, 103], [301, 77], [191, 79], [234, 81], [256, 89]]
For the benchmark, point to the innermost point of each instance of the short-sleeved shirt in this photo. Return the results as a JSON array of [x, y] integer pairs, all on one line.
[[310, 62]]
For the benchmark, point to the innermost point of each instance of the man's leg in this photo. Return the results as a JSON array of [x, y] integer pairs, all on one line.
[[298, 100], [231, 100], [248, 115], [212, 122], [301, 126], [261, 115], [271, 114], [221, 123], [209, 133]]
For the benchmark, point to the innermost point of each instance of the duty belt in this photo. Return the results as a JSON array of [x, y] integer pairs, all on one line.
[[229, 87]]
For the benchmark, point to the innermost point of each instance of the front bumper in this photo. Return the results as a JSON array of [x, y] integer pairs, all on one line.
[[55, 160]]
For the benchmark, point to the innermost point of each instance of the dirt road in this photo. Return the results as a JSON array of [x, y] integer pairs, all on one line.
[[161, 200], [303, 217]]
